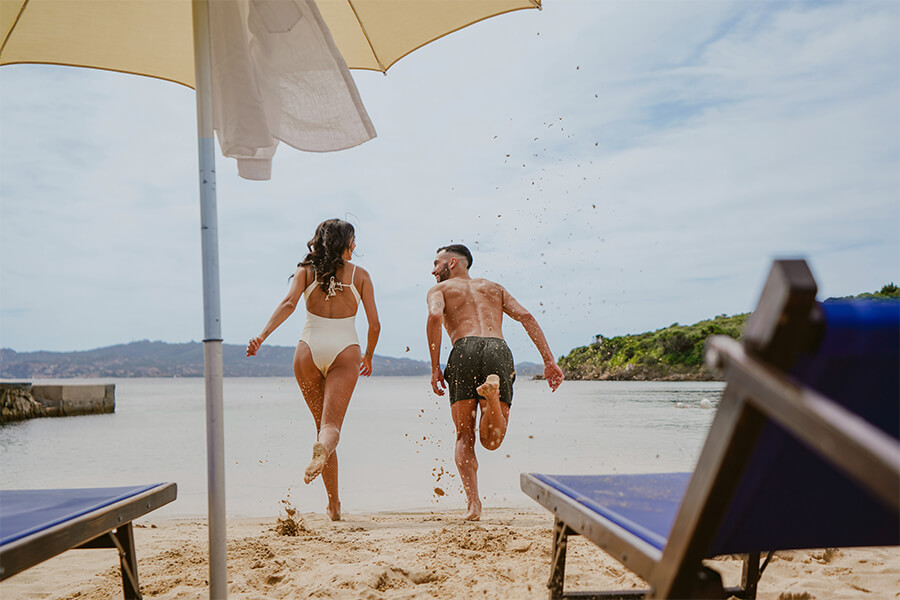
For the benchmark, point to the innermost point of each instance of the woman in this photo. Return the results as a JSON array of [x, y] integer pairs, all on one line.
[[327, 361]]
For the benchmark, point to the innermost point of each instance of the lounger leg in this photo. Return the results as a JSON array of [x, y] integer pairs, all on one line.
[[122, 539], [128, 560], [558, 560], [750, 576]]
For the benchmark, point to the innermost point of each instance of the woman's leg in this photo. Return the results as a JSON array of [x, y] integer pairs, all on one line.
[[338, 388], [312, 385]]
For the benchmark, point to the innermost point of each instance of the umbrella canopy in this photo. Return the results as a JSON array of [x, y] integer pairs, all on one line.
[[155, 37]]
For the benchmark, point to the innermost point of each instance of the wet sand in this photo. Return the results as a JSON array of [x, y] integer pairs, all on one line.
[[386, 556]]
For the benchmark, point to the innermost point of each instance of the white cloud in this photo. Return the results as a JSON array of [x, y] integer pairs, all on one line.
[[670, 151]]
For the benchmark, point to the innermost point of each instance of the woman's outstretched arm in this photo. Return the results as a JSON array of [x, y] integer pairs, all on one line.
[[368, 299], [282, 311]]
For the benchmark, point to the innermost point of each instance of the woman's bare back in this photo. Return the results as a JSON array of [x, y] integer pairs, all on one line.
[[343, 303]]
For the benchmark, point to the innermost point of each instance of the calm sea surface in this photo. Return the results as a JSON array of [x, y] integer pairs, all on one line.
[[397, 440]]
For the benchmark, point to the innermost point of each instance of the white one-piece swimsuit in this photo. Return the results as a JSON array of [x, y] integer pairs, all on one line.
[[327, 337]]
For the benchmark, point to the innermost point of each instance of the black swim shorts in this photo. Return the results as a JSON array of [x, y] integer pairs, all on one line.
[[472, 360]]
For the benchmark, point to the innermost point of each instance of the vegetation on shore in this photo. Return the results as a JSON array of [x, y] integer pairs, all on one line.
[[674, 353], [889, 291]]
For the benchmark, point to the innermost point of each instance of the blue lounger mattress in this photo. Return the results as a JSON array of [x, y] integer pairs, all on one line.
[[24, 512], [644, 505]]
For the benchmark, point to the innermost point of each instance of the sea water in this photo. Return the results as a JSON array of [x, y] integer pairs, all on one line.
[[396, 449]]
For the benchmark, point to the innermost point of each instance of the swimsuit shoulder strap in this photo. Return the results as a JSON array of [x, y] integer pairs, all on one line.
[[353, 286], [311, 285]]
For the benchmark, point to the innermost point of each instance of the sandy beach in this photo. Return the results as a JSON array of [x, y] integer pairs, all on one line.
[[381, 556]]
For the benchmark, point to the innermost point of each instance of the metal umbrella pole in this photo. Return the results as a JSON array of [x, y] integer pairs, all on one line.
[[212, 322]]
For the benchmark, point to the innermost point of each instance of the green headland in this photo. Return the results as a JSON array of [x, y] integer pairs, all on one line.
[[674, 353]]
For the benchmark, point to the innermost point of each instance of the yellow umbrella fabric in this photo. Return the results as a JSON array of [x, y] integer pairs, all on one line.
[[154, 37], [375, 34], [145, 37]]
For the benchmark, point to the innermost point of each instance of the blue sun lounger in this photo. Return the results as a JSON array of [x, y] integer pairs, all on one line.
[[38, 524], [803, 453]]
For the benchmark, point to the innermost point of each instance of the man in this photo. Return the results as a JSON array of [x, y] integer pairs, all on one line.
[[480, 369]]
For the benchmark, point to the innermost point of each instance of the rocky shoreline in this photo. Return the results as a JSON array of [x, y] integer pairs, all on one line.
[[24, 400], [18, 403], [633, 372]]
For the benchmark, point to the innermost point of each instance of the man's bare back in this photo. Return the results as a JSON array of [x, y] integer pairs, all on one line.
[[472, 307], [469, 307]]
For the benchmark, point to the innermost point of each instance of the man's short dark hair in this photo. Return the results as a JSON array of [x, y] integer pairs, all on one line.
[[458, 249]]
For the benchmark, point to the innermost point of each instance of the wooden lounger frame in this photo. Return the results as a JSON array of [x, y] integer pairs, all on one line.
[[757, 392], [106, 527]]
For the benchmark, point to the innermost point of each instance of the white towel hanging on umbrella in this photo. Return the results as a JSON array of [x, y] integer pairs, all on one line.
[[277, 76]]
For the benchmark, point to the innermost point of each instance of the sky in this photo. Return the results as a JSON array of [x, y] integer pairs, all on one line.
[[617, 166]]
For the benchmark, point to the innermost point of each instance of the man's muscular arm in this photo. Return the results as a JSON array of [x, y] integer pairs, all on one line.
[[552, 373], [433, 332]]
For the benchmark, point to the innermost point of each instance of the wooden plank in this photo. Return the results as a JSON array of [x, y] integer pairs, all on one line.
[[39, 546], [734, 432], [786, 319]]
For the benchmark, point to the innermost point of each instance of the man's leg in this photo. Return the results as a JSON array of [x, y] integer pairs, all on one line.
[[494, 414], [463, 412]]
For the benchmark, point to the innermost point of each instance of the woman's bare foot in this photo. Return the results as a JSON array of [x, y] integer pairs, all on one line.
[[319, 458], [334, 511], [474, 513]]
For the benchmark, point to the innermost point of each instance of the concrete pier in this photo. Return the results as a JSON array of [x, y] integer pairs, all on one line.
[[27, 400]]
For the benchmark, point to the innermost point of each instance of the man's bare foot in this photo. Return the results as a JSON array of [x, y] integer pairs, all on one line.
[[319, 457], [490, 388], [334, 512], [492, 428], [474, 513]]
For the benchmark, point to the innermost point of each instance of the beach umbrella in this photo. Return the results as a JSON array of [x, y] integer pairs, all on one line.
[[155, 37], [171, 40]]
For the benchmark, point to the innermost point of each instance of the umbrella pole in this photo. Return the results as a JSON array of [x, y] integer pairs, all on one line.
[[212, 328]]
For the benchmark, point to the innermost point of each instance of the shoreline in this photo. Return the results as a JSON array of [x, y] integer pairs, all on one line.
[[394, 555]]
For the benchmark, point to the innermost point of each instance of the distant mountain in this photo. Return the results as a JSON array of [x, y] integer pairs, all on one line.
[[161, 359], [529, 369]]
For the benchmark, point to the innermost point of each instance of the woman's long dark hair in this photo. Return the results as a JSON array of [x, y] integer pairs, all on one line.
[[326, 250]]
